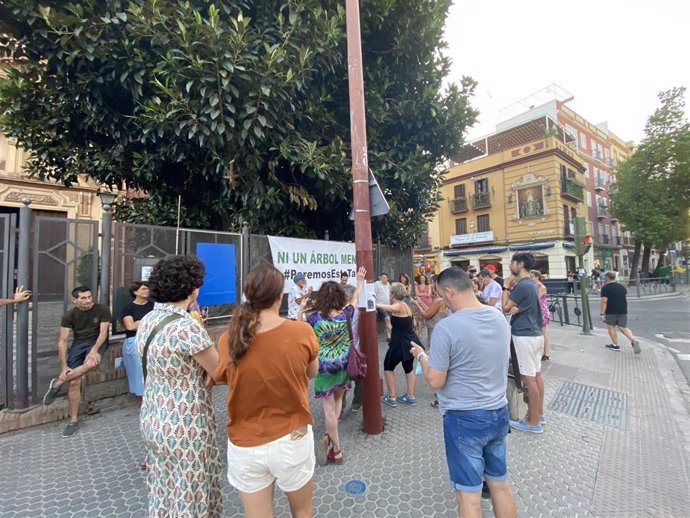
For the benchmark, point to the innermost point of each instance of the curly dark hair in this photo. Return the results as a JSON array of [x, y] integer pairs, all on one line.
[[263, 286], [173, 279], [331, 296]]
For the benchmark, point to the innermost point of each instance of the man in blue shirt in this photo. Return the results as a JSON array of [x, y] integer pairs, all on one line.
[[521, 300], [468, 368]]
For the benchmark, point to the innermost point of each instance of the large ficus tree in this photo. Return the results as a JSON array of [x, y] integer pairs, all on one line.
[[652, 193], [239, 107]]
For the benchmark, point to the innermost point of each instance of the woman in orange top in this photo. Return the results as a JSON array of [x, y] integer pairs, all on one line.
[[266, 362]]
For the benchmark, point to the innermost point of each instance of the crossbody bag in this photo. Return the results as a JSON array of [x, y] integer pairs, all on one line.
[[155, 331]]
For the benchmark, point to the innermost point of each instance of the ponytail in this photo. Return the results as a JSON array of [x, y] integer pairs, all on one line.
[[241, 330]]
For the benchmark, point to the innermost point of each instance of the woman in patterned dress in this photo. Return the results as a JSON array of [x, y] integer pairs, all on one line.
[[330, 321], [177, 418]]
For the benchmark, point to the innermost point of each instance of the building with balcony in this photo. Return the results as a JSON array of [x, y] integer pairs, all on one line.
[[599, 150], [519, 189]]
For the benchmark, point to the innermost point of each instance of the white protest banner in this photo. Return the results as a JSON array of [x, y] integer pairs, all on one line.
[[319, 261]]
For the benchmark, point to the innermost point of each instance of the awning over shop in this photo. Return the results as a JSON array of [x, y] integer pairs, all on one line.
[[536, 246], [449, 253]]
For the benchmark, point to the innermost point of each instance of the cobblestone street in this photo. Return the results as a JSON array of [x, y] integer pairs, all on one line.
[[577, 468]]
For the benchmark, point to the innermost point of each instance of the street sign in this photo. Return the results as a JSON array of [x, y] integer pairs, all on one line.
[[378, 206]]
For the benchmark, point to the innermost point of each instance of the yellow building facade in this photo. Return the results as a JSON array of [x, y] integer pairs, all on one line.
[[47, 197], [521, 192]]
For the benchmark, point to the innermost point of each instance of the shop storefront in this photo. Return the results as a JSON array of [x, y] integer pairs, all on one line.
[[555, 259]]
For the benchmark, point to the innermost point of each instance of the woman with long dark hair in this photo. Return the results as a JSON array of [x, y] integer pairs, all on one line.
[[330, 322], [267, 361]]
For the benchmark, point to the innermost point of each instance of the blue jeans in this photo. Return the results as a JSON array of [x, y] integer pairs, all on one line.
[[475, 447]]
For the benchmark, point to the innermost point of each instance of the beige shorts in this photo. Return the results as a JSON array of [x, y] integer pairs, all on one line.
[[288, 461], [529, 350]]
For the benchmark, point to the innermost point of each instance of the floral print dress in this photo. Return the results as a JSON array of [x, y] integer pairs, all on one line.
[[334, 350], [177, 419]]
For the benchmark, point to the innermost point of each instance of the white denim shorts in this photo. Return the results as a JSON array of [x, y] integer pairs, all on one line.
[[529, 350], [288, 461]]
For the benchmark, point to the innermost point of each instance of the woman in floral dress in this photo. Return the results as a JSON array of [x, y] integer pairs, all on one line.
[[177, 418], [330, 325]]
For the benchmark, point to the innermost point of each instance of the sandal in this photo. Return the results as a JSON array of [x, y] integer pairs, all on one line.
[[144, 464], [335, 456]]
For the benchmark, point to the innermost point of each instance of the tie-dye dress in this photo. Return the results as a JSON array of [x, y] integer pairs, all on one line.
[[334, 349]]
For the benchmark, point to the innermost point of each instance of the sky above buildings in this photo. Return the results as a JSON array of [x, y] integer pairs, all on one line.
[[614, 56]]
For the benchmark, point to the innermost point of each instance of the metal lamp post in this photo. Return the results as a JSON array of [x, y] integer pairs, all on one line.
[[107, 200], [582, 246]]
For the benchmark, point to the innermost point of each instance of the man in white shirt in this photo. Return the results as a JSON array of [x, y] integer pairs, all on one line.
[[297, 294], [383, 296], [491, 291]]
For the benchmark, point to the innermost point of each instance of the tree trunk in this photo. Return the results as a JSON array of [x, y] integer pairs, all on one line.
[[635, 263], [659, 264], [645, 259]]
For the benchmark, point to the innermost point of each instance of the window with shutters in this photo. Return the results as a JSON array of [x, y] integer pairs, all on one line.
[[483, 224]]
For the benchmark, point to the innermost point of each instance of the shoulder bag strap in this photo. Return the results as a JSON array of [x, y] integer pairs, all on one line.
[[155, 331], [516, 366], [349, 327]]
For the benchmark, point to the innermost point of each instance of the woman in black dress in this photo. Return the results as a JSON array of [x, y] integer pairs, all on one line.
[[399, 346]]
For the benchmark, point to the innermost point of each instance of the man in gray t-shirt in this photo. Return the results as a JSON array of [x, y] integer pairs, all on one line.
[[521, 299], [468, 368], [473, 347]]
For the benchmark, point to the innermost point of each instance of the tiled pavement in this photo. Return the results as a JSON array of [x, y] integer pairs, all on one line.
[[577, 468]]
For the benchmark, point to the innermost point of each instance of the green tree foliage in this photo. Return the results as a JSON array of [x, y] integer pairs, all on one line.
[[652, 192], [239, 107]]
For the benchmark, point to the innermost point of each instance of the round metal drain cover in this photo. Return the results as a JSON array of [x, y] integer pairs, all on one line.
[[355, 487]]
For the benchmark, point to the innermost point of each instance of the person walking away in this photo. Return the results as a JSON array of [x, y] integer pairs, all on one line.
[[332, 316], [468, 367], [382, 296], [267, 361], [297, 293], [545, 313], [89, 323], [398, 347], [614, 312], [177, 418], [521, 300]]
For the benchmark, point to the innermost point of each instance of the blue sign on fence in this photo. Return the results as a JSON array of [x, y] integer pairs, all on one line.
[[219, 281]]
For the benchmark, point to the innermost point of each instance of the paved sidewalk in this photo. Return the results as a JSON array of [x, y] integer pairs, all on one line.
[[637, 465]]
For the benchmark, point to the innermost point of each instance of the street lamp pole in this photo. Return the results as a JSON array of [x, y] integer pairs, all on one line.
[[373, 421], [582, 246], [107, 200]]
